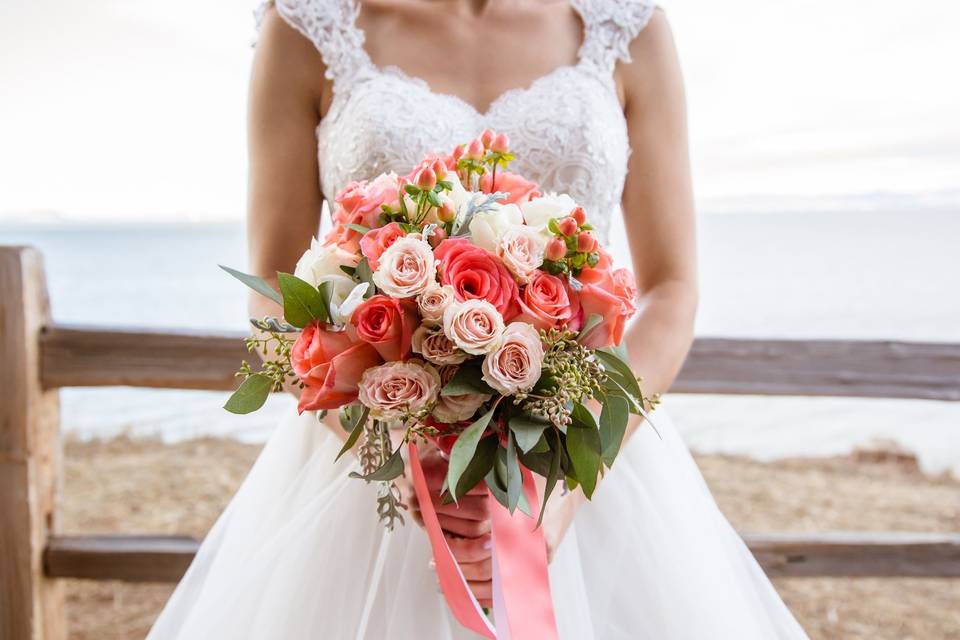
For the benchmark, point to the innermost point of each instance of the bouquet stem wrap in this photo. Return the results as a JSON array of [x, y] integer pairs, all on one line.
[[523, 606]]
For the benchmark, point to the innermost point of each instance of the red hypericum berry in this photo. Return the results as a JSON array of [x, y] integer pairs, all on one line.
[[586, 242], [579, 215], [556, 249], [568, 226], [474, 150], [486, 138], [438, 236], [439, 168], [458, 152], [446, 212], [426, 179], [500, 144]]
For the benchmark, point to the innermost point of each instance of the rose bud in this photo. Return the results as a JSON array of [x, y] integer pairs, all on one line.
[[579, 215], [446, 212], [458, 152], [556, 249], [568, 226], [426, 179], [486, 138], [500, 144], [586, 242], [474, 150], [438, 236]]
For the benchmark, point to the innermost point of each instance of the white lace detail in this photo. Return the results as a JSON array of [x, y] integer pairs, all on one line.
[[567, 128]]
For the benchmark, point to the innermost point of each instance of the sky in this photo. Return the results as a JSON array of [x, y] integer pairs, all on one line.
[[134, 109]]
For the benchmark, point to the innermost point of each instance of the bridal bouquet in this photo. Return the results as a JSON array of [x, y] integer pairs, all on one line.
[[458, 304]]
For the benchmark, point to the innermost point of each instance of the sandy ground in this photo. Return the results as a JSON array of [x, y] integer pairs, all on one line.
[[125, 485]]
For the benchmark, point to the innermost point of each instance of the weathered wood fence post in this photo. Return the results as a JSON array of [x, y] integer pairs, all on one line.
[[31, 605]]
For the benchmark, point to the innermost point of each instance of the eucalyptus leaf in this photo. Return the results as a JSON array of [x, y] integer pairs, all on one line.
[[514, 479], [365, 274], [583, 445], [465, 447], [553, 475], [478, 467], [359, 228], [467, 379], [355, 430], [326, 296], [391, 469], [302, 303], [592, 322], [613, 424], [251, 395], [257, 284], [527, 431], [611, 360]]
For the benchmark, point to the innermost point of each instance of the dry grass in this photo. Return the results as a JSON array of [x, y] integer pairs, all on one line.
[[143, 486]]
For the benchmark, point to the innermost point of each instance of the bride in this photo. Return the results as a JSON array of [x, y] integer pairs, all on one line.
[[590, 94]]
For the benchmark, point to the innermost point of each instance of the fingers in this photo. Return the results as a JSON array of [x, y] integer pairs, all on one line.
[[467, 550], [469, 508], [464, 528], [482, 591], [477, 571]]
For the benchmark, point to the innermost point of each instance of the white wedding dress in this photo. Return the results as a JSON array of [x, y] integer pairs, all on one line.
[[299, 552]]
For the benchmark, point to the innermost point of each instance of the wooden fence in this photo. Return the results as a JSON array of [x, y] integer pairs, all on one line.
[[38, 357]]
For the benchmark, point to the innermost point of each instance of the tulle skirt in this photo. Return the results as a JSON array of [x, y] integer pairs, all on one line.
[[299, 554]]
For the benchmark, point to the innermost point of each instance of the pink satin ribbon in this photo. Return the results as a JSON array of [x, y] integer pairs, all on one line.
[[522, 601]]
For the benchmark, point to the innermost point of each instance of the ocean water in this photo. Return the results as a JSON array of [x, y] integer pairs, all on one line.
[[856, 275]]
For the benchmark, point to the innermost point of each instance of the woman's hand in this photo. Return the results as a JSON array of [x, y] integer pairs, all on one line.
[[561, 510], [466, 526]]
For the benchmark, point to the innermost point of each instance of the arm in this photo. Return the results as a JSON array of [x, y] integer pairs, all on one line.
[[659, 219]]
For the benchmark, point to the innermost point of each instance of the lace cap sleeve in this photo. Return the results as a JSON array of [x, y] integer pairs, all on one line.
[[331, 26], [610, 27]]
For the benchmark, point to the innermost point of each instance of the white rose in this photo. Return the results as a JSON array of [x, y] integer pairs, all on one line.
[[521, 249], [474, 325], [487, 227], [539, 211], [457, 196], [321, 264], [407, 268]]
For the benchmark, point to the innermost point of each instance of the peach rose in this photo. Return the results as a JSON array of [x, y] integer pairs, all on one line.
[[434, 345], [407, 268], [477, 274], [610, 307], [398, 389], [546, 303], [387, 324], [330, 366], [359, 203], [453, 409], [521, 249], [518, 189], [475, 326], [376, 241], [434, 301], [517, 362]]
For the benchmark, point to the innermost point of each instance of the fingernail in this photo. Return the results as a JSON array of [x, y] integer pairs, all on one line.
[[432, 564], [488, 544]]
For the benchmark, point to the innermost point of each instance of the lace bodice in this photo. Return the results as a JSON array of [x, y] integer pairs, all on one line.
[[567, 128]]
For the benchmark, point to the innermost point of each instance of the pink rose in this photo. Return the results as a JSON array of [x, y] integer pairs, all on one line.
[[359, 203], [407, 268], [517, 362], [387, 324], [599, 274], [518, 189], [610, 307], [376, 241], [454, 409], [521, 249], [476, 274], [545, 302], [330, 365], [434, 345], [399, 389], [434, 301], [475, 326]]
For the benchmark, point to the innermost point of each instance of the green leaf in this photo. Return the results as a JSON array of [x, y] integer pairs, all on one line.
[[433, 199], [359, 228], [499, 492], [257, 284], [583, 445], [553, 475], [620, 371], [326, 295], [613, 424], [365, 274], [592, 322], [465, 447], [355, 430], [251, 395], [412, 189], [350, 271], [478, 467], [527, 431], [392, 468], [302, 303], [514, 479], [554, 227], [467, 379]]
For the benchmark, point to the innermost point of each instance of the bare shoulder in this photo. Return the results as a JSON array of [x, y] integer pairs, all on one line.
[[288, 55], [654, 65]]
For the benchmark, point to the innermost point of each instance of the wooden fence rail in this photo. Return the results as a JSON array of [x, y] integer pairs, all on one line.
[[40, 357]]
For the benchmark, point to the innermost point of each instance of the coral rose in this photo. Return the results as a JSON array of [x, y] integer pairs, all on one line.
[[387, 324], [376, 241], [612, 310], [518, 189], [546, 303], [359, 203], [330, 366], [477, 274], [517, 362], [398, 389]]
